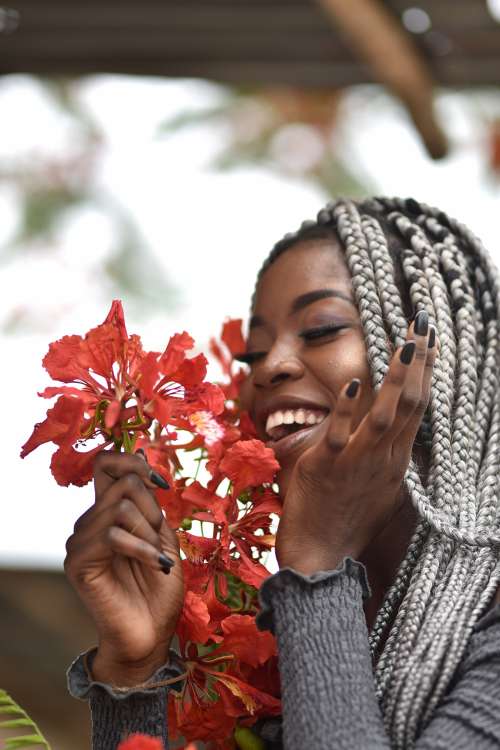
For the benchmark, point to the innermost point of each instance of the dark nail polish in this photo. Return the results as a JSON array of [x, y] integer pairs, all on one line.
[[159, 481], [421, 323], [166, 562], [353, 388], [407, 352], [432, 337]]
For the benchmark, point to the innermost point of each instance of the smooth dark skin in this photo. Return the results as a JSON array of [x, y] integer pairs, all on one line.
[[112, 556], [318, 371]]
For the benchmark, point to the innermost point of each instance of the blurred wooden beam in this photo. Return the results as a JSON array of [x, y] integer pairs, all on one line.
[[379, 39]]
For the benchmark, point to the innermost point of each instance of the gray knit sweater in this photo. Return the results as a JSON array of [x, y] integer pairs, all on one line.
[[326, 674]]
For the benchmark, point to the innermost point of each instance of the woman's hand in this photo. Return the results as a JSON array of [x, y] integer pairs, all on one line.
[[113, 562], [345, 489]]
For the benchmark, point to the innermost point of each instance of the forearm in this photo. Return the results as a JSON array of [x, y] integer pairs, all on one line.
[[327, 683], [118, 713]]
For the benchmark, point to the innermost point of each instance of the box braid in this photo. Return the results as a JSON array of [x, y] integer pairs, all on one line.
[[403, 257]]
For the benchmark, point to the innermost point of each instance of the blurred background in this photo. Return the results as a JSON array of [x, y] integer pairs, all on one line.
[[154, 152]]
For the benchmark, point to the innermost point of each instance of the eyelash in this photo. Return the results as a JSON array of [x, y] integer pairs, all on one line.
[[310, 335]]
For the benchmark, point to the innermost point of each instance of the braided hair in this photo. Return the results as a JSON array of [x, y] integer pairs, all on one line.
[[403, 257]]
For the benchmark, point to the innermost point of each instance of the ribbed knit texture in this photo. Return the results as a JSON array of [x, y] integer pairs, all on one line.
[[113, 721], [327, 682], [116, 715], [328, 690]]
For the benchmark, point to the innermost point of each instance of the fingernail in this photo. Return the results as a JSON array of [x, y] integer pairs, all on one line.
[[421, 323], [353, 388], [166, 563], [407, 352], [140, 450], [159, 481], [432, 337]]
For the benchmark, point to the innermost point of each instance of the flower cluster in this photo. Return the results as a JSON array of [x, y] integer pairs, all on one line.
[[116, 396]]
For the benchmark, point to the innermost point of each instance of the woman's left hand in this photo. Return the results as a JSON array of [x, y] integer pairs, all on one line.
[[345, 489]]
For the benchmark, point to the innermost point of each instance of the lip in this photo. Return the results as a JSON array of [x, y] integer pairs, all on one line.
[[289, 444]]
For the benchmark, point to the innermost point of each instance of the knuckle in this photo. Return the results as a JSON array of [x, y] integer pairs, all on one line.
[[112, 535], [396, 377], [100, 460], [379, 422], [158, 519], [67, 562], [69, 546], [125, 507], [410, 400], [132, 482], [336, 442], [82, 520]]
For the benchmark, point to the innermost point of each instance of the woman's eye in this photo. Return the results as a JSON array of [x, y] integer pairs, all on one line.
[[316, 333], [248, 358]]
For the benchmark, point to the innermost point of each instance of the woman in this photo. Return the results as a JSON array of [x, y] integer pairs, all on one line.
[[380, 324]]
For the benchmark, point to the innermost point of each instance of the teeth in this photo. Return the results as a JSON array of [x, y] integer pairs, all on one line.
[[300, 416], [289, 416]]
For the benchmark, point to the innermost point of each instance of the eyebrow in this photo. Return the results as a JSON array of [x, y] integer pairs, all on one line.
[[302, 301]]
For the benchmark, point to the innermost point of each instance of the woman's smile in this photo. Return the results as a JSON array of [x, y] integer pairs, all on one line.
[[304, 344]]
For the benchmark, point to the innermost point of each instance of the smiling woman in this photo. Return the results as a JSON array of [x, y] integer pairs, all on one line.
[[374, 358]]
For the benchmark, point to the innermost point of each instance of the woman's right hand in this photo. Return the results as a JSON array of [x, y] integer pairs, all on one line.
[[113, 563]]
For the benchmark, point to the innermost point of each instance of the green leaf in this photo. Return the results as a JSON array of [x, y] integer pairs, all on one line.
[[248, 740], [13, 723], [9, 707], [27, 740]]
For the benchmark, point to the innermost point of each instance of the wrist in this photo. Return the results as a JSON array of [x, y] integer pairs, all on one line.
[[307, 565], [115, 672]]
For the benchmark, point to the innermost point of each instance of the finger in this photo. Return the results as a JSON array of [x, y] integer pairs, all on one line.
[[413, 399], [103, 547], [130, 486], [124, 543], [124, 514], [341, 419], [377, 423], [408, 433], [110, 465]]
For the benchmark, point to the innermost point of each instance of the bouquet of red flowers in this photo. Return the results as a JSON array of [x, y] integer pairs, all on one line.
[[114, 395]]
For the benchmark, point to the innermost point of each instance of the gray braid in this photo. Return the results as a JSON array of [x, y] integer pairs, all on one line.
[[452, 564]]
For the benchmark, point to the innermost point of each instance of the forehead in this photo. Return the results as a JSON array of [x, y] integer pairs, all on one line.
[[308, 265]]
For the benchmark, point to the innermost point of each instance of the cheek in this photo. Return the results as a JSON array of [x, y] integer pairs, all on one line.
[[342, 363]]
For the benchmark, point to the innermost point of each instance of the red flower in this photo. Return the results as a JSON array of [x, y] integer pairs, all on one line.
[[141, 742], [232, 342], [116, 393], [249, 463], [117, 390]]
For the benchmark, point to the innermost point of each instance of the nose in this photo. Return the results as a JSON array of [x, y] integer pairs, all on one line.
[[276, 368]]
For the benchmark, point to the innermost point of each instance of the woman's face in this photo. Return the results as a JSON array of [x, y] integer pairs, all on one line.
[[307, 288]]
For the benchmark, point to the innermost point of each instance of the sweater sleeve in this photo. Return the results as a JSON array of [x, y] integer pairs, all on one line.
[[116, 714], [328, 688]]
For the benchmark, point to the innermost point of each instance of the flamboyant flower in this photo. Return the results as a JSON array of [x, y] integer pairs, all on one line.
[[218, 673], [113, 393], [102, 369], [205, 424], [231, 343], [116, 391], [249, 463], [141, 742]]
